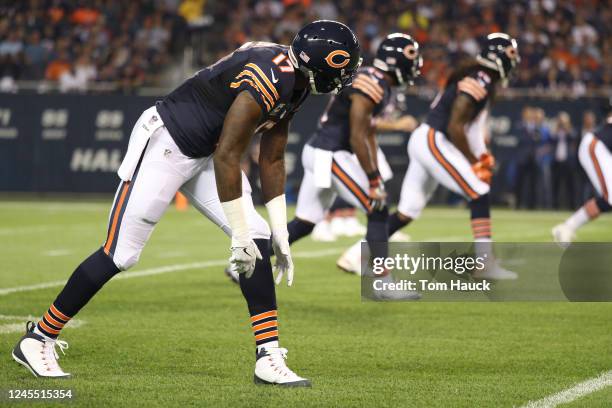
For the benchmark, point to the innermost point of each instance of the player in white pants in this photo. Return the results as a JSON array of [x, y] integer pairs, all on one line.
[[449, 149], [193, 140], [595, 155]]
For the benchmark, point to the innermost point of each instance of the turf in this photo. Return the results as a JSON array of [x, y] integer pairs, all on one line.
[[183, 338]]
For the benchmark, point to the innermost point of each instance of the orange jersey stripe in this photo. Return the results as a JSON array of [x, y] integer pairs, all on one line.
[[271, 313], [265, 78], [261, 86], [350, 184], [472, 87], [368, 80], [367, 91], [600, 176], [111, 233], [47, 328], [58, 313], [264, 325], [267, 335], [263, 98], [368, 83], [449, 168]]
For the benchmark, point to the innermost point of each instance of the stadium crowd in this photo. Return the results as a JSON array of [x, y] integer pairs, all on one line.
[[565, 44]]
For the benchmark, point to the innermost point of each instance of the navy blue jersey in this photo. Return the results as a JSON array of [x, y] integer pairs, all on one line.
[[604, 134], [477, 85], [194, 112], [333, 132]]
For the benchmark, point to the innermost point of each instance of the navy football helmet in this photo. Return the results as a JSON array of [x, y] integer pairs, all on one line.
[[399, 55], [327, 53], [500, 53]]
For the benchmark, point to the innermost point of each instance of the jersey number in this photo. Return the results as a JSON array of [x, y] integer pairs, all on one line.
[[280, 58]]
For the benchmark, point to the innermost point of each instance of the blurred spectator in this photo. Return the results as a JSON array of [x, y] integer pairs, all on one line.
[[566, 46], [564, 165], [526, 166], [58, 66], [544, 157]]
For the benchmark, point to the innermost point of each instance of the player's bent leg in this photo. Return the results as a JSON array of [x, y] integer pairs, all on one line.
[[258, 290], [138, 205], [480, 213], [594, 158], [564, 233]]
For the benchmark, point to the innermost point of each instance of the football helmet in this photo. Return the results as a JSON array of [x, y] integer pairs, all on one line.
[[399, 55], [327, 53], [500, 53]]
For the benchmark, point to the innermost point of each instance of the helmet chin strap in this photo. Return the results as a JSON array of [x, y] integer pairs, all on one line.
[[313, 85]]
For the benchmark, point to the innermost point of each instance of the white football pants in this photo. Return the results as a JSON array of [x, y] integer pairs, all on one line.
[[162, 171], [596, 160], [435, 160]]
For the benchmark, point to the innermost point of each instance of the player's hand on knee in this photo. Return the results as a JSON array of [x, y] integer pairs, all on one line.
[[377, 192], [244, 256], [283, 264], [483, 168]]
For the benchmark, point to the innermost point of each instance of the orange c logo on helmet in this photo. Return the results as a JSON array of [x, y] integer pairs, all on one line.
[[340, 64]]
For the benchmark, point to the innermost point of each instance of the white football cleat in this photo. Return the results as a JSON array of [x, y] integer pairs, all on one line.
[[350, 260], [271, 369], [38, 355], [399, 236], [322, 232], [563, 235], [494, 271]]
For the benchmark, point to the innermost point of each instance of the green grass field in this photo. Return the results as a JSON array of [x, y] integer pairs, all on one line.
[[182, 338]]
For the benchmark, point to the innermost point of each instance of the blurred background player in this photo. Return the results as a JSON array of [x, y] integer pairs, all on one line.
[[341, 158], [449, 149], [193, 141], [595, 155]]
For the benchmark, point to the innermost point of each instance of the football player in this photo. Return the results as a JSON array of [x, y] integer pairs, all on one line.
[[449, 149], [595, 156], [192, 141], [341, 158]]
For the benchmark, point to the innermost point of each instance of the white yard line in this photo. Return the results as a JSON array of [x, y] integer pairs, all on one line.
[[20, 327], [164, 269], [57, 252], [573, 393]]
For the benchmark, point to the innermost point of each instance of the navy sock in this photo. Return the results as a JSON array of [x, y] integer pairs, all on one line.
[[396, 223], [378, 234], [298, 229], [480, 209], [260, 295]]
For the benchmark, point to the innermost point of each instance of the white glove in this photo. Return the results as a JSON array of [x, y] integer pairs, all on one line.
[[243, 258], [283, 263]]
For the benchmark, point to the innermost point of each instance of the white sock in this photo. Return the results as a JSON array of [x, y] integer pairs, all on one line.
[[483, 247], [47, 338], [270, 344], [578, 219]]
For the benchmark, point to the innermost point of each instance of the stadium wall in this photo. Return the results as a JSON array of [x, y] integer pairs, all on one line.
[[74, 143]]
